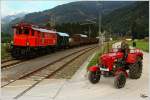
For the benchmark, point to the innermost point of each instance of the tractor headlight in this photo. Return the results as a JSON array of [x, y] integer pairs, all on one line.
[[114, 66], [11, 42], [27, 43], [115, 60]]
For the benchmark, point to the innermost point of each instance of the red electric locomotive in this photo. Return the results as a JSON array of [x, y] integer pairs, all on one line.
[[29, 40]]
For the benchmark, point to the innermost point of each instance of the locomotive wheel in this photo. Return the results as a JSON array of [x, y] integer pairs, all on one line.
[[23, 53], [94, 77], [15, 53], [32, 53], [135, 70], [120, 80]]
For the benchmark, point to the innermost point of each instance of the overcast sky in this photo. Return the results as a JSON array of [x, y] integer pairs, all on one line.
[[12, 7]]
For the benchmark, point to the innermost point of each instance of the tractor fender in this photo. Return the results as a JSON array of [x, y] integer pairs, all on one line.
[[131, 58], [120, 70], [140, 55], [94, 68]]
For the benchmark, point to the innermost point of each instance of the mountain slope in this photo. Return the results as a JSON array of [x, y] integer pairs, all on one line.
[[66, 13], [130, 18], [73, 12], [9, 18], [118, 16]]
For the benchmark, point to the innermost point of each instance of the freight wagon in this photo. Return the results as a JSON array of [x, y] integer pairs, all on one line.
[[62, 40], [78, 40]]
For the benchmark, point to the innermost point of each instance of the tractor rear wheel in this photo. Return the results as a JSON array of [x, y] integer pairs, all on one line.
[[94, 77], [120, 80], [135, 70]]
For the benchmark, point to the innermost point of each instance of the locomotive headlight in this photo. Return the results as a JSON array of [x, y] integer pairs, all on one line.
[[27, 43]]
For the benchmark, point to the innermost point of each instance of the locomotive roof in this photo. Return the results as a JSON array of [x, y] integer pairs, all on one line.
[[63, 34], [43, 30]]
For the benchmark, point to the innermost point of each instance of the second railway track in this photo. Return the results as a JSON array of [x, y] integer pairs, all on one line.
[[9, 63]]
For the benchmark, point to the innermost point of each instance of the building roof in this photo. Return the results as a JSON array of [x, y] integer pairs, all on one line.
[[82, 35], [43, 30], [63, 34]]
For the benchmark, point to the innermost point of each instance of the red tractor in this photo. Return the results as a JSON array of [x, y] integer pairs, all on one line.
[[116, 63]]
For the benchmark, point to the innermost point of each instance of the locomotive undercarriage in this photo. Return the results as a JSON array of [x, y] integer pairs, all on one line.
[[19, 52]]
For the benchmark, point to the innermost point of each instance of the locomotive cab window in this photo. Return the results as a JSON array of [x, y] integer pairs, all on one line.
[[32, 32], [22, 31], [26, 31], [18, 31]]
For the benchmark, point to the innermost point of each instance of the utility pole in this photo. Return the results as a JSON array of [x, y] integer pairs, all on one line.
[[99, 29], [100, 25], [89, 31], [52, 21]]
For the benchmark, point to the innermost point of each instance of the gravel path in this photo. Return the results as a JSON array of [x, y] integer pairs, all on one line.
[[68, 71]]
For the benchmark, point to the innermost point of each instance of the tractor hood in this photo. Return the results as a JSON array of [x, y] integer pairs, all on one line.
[[108, 59], [112, 55]]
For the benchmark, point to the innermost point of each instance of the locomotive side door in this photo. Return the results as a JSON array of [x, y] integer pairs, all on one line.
[[39, 38], [42, 38], [26, 37]]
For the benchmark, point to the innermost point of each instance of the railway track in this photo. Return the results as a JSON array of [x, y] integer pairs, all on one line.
[[50, 69], [9, 63], [41, 73], [5, 60]]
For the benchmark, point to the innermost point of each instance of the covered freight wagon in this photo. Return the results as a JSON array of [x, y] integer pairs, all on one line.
[[62, 40], [77, 40]]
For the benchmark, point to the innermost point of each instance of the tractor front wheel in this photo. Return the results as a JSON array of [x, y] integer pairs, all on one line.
[[120, 80], [94, 77]]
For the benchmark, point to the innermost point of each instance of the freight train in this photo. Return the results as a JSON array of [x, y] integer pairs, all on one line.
[[30, 40]]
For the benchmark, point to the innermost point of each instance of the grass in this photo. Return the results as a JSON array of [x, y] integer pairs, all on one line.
[[94, 60], [4, 52], [102, 50], [142, 44]]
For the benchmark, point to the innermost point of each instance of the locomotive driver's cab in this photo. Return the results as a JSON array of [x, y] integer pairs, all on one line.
[[21, 34], [22, 31]]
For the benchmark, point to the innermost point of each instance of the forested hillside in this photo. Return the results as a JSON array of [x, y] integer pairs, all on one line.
[[132, 19], [127, 18]]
